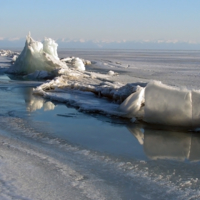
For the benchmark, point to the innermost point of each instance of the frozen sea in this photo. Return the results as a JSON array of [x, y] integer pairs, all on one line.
[[51, 150]]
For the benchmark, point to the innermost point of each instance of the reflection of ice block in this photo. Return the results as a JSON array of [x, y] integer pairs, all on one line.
[[196, 108], [169, 145], [137, 132], [48, 106], [167, 105], [34, 103], [195, 149]]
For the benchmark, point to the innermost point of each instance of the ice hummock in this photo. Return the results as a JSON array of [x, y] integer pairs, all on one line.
[[40, 60], [50, 47], [77, 63], [158, 103], [37, 56], [167, 105]]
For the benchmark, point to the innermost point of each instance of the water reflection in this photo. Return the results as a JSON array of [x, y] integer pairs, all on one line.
[[164, 144], [34, 103], [157, 144]]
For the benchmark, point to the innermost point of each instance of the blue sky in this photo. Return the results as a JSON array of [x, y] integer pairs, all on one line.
[[101, 21]]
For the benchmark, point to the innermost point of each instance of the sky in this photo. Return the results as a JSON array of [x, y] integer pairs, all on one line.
[[102, 23]]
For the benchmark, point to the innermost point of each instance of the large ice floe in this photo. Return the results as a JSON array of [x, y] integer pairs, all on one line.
[[158, 103], [152, 102]]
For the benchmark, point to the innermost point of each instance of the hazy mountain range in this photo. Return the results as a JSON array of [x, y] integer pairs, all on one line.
[[90, 44]]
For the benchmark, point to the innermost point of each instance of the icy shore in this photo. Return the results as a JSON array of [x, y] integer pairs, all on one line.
[[152, 102]]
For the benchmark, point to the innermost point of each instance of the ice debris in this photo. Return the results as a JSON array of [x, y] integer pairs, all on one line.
[[77, 64], [83, 82], [11, 54], [8, 53], [68, 60], [14, 58], [111, 73]]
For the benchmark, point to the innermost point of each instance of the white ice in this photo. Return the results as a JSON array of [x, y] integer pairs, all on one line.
[[8, 53], [133, 105], [167, 105], [163, 104], [50, 47], [37, 56]]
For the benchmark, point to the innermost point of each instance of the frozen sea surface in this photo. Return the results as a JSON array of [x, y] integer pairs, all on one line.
[[50, 150], [179, 68]]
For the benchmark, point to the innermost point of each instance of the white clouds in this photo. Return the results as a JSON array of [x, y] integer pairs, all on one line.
[[1, 38]]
